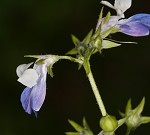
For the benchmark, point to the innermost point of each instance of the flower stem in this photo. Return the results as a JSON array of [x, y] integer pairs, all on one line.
[[96, 93]]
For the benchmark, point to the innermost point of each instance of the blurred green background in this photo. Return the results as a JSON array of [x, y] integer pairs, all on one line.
[[44, 27]]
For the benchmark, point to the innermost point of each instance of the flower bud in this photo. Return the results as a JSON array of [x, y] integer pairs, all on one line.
[[108, 123]]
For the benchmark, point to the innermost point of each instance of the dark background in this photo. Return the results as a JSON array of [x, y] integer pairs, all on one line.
[[44, 27]]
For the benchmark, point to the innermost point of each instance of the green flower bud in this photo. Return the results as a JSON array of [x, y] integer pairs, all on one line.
[[108, 123]]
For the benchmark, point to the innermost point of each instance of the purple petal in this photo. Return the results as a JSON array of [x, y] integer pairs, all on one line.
[[134, 29], [141, 18], [25, 100], [38, 95]]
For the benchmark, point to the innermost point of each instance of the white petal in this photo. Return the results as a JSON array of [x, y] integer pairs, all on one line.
[[106, 3], [122, 5], [29, 78], [21, 68]]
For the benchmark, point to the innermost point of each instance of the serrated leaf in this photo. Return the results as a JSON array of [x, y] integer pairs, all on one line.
[[72, 133], [106, 44], [72, 52], [75, 40], [76, 126], [86, 40], [106, 19]]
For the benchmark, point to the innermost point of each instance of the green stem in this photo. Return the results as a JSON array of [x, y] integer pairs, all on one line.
[[96, 92]]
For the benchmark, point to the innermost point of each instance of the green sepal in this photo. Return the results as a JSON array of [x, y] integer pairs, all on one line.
[[87, 39], [85, 124], [87, 66], [75, 40], [33, 56], [72, 133], [76, 126], [106, 44], [40, 62], [145, 119], [97, 32], [49, 71], [128, 107], [72, 52], [101, 14], [106, 19], [138, 110], [107, 32]]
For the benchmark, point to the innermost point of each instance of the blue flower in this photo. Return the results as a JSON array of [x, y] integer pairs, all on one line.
[[33, 98], [136, 25]]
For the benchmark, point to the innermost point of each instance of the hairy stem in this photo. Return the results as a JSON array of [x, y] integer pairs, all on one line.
[[96, 93]]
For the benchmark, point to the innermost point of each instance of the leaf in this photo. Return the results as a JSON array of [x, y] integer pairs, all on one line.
[[75, 40], [72, 52], [86, 40], [76, 126], [106, 44]]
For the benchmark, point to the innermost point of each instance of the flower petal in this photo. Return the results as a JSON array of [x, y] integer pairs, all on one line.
[[25, 100], [106, 3], [134, 29], [38, 95], [140, 18], [21, 68], [122, 5], [29, 78]]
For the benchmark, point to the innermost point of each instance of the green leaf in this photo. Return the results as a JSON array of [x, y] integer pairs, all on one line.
[[107, 18], [75, 40], [87, 39], [72, 133], [72, 52], [49, 70], [76, 126], [106, 44]]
